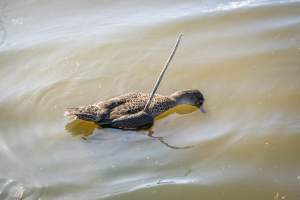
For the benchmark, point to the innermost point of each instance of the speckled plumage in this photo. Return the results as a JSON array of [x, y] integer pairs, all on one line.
[[135, 101], [126, 111], [105, 111]]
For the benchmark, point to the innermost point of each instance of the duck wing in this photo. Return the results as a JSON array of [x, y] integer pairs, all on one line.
[[136, 121], [131, 105], [101, 112]]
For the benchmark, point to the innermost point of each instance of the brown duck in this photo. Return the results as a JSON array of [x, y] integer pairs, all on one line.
[[135, 110]]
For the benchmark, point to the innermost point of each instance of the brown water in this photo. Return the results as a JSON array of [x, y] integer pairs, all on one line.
[[243, 55]]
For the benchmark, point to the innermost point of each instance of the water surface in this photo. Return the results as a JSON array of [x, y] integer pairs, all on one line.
[[243, 55]]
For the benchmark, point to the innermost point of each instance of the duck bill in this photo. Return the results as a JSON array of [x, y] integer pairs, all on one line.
[[202, 109]]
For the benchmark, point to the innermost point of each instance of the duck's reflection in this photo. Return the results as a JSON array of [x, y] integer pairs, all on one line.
[[82, 128], [180, 109], [85, 129]]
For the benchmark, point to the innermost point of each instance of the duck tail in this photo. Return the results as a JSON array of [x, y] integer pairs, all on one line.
[[71, 112], [79, 113]]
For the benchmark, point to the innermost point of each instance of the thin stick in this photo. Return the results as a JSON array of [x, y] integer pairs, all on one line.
[[162, 73]]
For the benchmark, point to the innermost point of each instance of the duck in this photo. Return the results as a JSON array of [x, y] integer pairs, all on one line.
[[127, 111], [136, 110]]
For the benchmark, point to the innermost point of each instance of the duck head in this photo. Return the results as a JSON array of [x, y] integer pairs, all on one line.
[[190, 97]]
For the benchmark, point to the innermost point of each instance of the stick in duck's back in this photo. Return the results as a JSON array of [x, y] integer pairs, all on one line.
[[162, 74]]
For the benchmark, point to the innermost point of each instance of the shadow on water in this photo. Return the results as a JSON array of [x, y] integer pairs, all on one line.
[[86, 129]]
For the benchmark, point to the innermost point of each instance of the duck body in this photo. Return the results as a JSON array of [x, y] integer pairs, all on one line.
[[127, 111]]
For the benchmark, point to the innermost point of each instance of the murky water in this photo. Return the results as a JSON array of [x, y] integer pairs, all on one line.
[[243, 55]]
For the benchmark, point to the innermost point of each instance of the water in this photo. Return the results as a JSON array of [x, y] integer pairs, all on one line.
[[243, 55]]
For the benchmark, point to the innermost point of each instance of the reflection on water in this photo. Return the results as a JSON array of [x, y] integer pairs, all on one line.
[[242, 55], [180, 109], [80, 127]]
